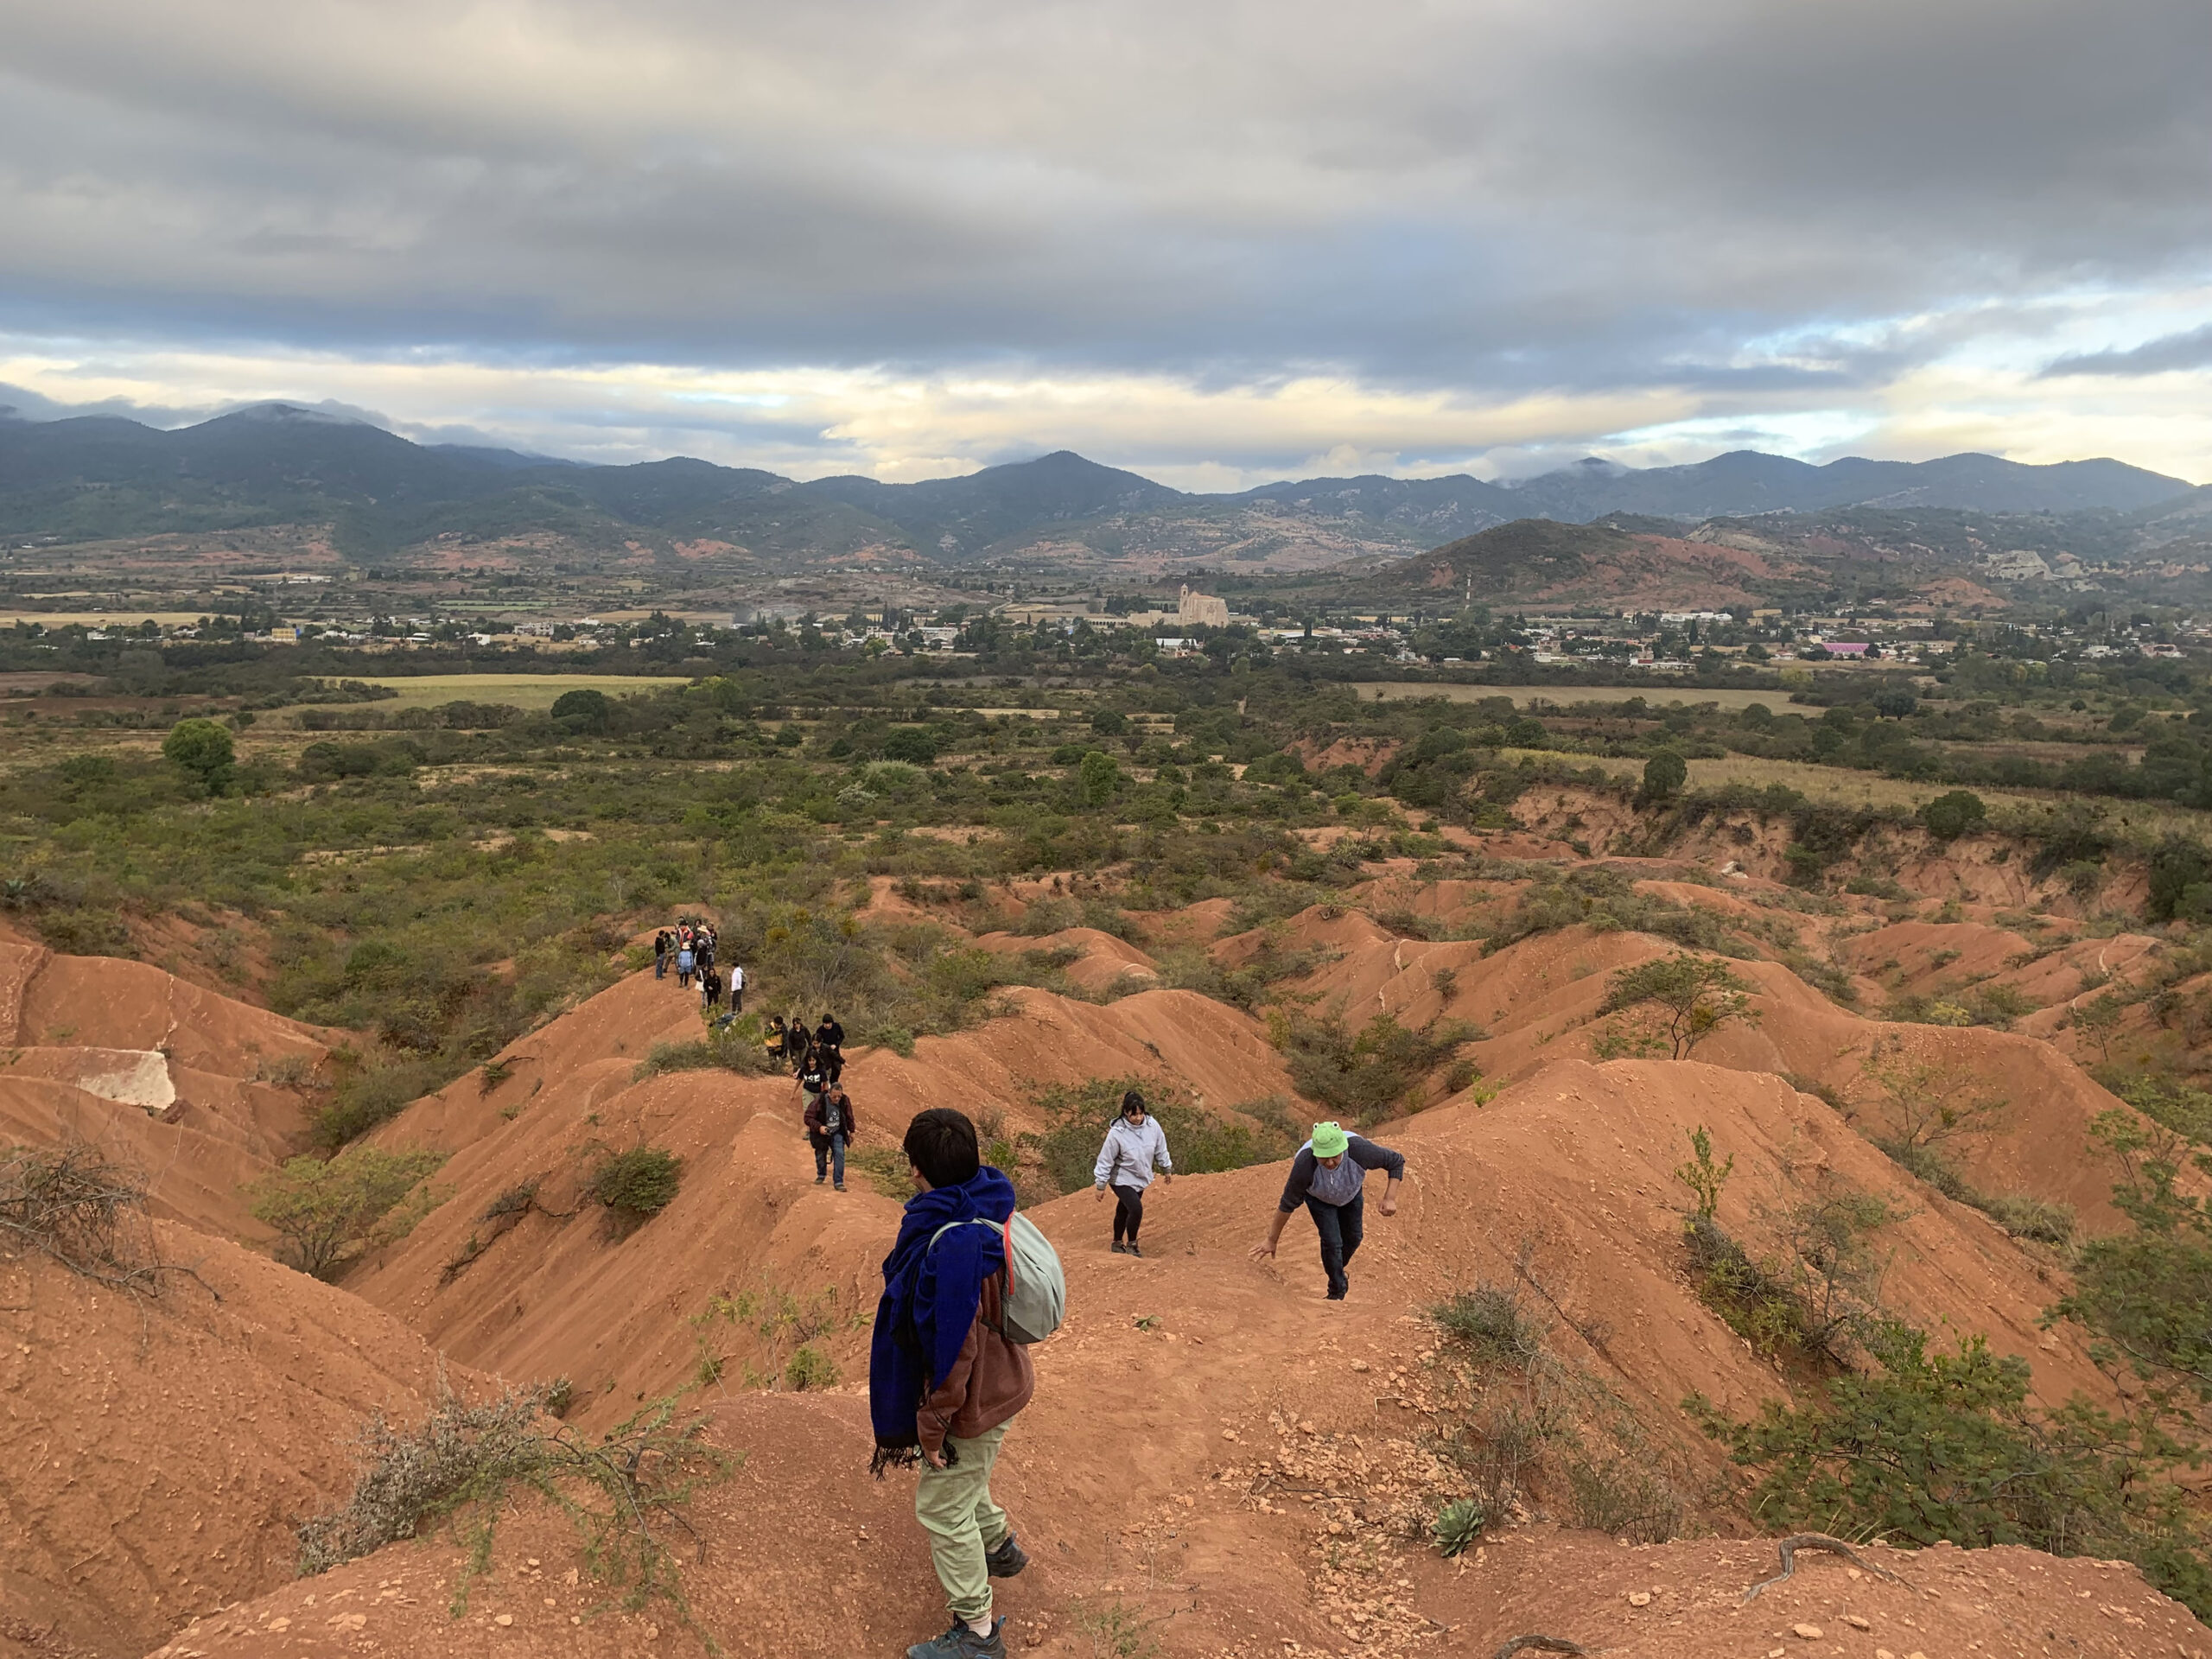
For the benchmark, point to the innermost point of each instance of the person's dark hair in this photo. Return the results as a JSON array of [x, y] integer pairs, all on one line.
[[1132, 1102], [941, 1143]]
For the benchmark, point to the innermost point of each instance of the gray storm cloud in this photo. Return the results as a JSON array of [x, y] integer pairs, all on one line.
[[1523, 192]]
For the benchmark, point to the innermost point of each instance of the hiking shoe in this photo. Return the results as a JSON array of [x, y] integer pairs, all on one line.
[[838, 1187], [961, 1642], [820, 1178], [1120, 1249], [1132, 1250], [1005, 1559]]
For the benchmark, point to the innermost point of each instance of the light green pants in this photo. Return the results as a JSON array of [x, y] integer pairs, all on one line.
[[954, 1506]]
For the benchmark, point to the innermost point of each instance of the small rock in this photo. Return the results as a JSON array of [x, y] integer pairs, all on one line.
[[1639, 1597], [1856, 1621], [1228, 1434], [503, 1619], [1361, 1365], [1807, 1632]]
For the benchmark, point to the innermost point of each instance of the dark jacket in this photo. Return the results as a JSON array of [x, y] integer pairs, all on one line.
[[1362, 1151], [926, 1323], [815, 1117], [830, 1034]]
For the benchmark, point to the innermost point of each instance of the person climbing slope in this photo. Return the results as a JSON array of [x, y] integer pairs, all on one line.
[[944, 1379], [830, 1127], [1329, 1177], [1134, 1144]]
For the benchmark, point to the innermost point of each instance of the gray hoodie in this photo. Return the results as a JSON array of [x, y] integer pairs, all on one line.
[[1129, 1153]]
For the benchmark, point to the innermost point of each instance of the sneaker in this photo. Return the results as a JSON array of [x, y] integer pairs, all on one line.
[[838, 1187], [1005, 1559], [820, 1178], [961, 1642], [1120, 1249], [1132, 1250]]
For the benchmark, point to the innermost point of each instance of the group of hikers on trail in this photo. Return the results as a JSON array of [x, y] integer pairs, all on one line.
[[691, 946], [970, 1284]]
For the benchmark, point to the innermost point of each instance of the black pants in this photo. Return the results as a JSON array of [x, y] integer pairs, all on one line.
[[1341, 1229], [1129, 1213]]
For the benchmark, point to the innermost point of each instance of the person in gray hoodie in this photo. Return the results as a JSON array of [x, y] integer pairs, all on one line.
[[1134, 1145]]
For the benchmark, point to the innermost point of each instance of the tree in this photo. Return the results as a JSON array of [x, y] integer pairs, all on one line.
[[327, 1211], [913, 744], [585, 709], [1664, 774], [202, 749], [1698, 994], [1099, 778], [1928, 1104], [1950, 816]]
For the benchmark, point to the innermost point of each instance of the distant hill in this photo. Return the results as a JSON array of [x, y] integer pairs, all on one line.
[[103, 477]]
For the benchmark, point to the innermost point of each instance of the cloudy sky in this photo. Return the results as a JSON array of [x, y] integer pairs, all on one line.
[[1217, 242]]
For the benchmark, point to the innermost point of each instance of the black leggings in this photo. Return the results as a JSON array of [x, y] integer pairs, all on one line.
[[1129, 1213]]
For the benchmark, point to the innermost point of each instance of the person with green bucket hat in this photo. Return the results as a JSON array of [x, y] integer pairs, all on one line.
[[1329, 1177]]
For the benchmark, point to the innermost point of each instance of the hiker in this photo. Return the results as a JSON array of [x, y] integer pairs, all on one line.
[[1134, 1144], [661, 943], [830, 1046], [773, 1039], [736, 990], [703, 947], [685, 962], [830, 1128], [1329, 1176], [799, 1048], [813, 1080], [710, 988], [944, 1377]]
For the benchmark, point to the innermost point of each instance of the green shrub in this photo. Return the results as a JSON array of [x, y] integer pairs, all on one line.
[[1664, 774], [1946, 1448], [639, 1183], [809, 1368], [1950, 816], [328, 1211], [202, 749], [373, 1097], [1490, 1325], [1367, 1076]]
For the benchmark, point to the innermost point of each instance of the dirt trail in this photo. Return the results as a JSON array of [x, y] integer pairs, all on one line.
[[1244, 1390], [553, 1293], [160, 1450]]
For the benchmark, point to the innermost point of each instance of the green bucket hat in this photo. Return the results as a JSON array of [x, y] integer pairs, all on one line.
[[1330, 1140]]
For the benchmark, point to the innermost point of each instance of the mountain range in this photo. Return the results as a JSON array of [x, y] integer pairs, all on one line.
[[100, 477]]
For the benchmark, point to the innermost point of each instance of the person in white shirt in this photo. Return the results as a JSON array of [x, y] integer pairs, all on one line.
[[1134, 1145]]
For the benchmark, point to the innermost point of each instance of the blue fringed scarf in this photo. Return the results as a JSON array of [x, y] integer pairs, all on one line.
[[930, 1298]]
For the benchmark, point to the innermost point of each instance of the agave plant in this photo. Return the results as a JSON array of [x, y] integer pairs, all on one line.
[[1458, 1526]]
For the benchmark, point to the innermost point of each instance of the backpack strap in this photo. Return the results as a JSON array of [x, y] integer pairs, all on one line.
[[1005, 1230]]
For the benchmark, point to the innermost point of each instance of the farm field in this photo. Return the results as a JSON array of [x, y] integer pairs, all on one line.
[[527, 691]]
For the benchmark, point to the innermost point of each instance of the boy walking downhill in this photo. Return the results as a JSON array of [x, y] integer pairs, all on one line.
[[1134, 1144], [830, 1127], [1329, 1177], [945, 1380]]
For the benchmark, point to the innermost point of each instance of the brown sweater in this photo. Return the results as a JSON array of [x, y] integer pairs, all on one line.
[[992, 1379]]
